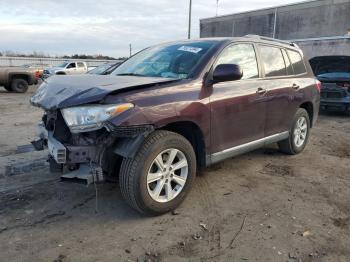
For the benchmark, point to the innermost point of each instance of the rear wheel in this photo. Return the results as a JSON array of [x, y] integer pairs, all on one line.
[[161, 174], [298, 135], [19, 85]]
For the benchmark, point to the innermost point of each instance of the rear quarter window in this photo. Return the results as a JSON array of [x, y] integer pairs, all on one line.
[[297, 62]]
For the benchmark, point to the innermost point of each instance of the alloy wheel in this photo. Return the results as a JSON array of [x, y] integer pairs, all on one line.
[[167, 175], [300, 131]]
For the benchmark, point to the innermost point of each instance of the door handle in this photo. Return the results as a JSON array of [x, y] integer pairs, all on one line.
[[261, 91], [295, 86]]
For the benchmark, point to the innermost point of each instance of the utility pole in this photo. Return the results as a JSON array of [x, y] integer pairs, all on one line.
[[274, 24], [189, 20], [217, 7], [130, 50]]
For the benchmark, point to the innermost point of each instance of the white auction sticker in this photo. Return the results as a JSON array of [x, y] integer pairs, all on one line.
[[190, 49]]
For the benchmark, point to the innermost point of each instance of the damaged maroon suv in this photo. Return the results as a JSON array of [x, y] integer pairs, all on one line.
[[174, 108]]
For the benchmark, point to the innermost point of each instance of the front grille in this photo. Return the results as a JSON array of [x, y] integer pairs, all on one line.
[[333, 94], [128, 131]]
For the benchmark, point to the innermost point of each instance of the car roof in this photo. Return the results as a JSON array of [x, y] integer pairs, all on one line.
[[249, 38]]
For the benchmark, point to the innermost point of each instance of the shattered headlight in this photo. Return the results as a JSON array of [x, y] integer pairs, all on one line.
[[91, 117]]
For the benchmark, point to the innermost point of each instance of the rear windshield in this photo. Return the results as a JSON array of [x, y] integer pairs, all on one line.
[[177, 60]]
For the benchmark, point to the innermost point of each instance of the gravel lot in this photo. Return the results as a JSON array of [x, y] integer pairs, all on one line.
[[263, 206]]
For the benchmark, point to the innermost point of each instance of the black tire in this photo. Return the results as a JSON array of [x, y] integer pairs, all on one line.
[[289, 146], [133, 172], [8, 88], [19, 85]]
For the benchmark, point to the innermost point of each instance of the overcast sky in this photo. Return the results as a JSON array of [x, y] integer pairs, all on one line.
[[105, 26]]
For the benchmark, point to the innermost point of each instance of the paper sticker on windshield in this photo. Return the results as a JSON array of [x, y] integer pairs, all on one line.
[[190, 49]]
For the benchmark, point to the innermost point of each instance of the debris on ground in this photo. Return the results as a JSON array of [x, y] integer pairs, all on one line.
[[306, 233], [60, 258], [292, 255], [204, 226], [197, 236], [175, 212], [2, 229]]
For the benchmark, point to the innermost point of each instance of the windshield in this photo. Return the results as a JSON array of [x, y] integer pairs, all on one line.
[[170, 61], [100, 69], [64, 64]]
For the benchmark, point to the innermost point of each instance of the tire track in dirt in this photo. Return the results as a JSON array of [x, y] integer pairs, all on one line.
[[208, 202]]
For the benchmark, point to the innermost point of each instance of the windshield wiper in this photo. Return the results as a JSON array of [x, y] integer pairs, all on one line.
[[129, 74]]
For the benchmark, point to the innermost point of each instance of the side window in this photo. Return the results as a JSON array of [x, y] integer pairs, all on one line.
[[71, 65], [288, 63], [273, 61], [297, 62], [242, 55], [80, 64]]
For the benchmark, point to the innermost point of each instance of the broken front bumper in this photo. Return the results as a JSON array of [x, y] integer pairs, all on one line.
[[64, 154], [74, 159], [78, 159]]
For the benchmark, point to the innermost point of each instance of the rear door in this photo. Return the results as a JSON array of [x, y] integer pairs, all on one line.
[[280, 86], [237, 109], [81, 68]]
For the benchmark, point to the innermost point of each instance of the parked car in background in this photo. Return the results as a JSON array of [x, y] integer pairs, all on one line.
[[334, 74], [16, 79], [104, 69], [37, 69], [67, 68], [174, 108]]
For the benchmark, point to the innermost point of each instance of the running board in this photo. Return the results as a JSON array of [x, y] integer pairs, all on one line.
[[241, 149], [86, 174]]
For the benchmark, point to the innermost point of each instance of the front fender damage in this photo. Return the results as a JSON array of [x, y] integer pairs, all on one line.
[[129, 139]]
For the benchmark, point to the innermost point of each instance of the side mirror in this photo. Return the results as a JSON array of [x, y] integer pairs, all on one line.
[[227, 72]]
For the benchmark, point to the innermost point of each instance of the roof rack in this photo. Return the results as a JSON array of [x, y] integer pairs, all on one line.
[[272, 39]]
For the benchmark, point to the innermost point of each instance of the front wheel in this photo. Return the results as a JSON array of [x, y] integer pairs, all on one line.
[[298, 135], [8, 88], [160, 175]]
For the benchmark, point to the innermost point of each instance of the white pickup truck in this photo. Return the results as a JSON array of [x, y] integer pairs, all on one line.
[[66, 68]]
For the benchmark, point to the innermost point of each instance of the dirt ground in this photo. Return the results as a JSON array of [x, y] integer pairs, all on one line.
[[262, 206]]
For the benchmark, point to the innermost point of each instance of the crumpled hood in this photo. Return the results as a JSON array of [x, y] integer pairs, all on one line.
[[66, 91]]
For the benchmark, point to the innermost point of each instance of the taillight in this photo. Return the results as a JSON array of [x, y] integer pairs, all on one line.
[[318, 85]]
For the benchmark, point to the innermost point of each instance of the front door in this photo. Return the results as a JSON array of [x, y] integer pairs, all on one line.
[[237, 107], [71, 69]]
